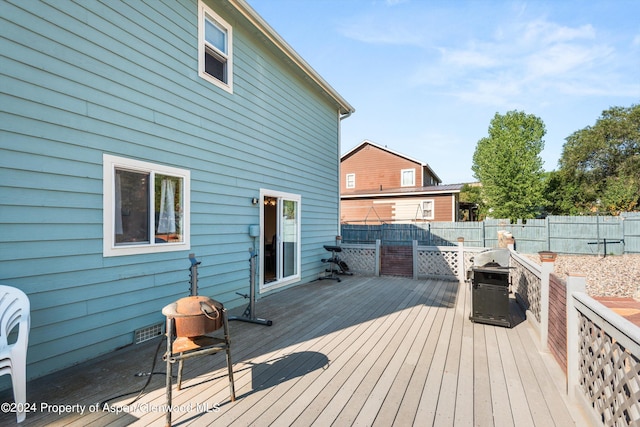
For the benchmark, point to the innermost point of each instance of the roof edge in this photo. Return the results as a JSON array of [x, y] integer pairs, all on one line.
[[424, 191], [258, 22]]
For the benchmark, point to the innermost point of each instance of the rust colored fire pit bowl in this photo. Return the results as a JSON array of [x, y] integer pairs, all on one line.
[[195, 315]]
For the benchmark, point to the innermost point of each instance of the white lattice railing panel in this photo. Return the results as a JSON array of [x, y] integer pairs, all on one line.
[[609, 376], [468, 259], [527, 285], [359, 259], [437, 263]]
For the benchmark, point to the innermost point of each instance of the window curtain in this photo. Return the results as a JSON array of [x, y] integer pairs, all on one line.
[[118, 208], [167, 218]]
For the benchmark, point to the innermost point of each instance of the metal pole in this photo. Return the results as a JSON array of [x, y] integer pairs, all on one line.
[[598, 232], [194, 274], [168, 382], [249, 314], [252, 281]]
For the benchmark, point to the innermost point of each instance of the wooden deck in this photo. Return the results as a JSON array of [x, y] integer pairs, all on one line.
[[367, 351]]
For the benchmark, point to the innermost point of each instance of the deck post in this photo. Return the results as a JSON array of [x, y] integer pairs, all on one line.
[[511, 243], [575, 283], [461, 266], [548, 261], [377, 262], [414, 247]]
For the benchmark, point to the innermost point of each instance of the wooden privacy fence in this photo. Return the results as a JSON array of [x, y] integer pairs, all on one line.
[[587, 235]]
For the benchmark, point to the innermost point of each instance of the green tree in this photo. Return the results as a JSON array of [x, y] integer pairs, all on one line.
[[508, 165], [472, 193], [599, 169], [561, 195]]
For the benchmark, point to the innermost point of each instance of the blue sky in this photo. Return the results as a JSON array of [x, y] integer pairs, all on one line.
[[427, 76]]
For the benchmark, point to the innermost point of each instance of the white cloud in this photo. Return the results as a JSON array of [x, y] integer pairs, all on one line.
[[535, 60], [469, 58], [543, 32], [562, 59], [499, 57], [502, 91]]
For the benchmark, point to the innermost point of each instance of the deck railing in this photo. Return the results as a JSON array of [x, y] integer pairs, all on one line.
[[441, 262], [603, 366], [362, 259], [438, 262], [597, 349], [526, 280]]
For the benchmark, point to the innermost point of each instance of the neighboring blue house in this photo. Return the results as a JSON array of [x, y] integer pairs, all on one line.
[[135, 133]]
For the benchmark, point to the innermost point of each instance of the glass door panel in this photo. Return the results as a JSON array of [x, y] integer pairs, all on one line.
[[281, 237], [289, 237]]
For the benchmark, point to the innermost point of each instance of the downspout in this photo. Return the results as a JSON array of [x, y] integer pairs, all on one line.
[[340, 119]]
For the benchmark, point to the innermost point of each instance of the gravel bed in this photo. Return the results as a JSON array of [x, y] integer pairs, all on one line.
[[613, 275]]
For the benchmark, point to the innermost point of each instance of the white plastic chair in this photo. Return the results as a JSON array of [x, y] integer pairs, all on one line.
[[15, 311]]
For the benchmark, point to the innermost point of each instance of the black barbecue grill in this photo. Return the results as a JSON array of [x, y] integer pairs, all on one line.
[[490, 288]]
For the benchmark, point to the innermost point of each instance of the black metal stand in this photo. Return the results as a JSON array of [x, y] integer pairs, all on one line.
[[206, 345], [336, 265], [605, 244], [249, 312], [201, 345]]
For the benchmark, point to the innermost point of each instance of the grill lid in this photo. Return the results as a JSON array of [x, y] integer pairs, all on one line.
[[499, 257], [491, 264]]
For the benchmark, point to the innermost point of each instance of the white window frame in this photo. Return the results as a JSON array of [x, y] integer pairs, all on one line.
[[204, 13], [110, 164], [424, 211], [350, 180], [413, 177]]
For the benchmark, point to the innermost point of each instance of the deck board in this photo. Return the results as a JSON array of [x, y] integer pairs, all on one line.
[[482, 399], [464, 412], [555, 407], [375, 351], [399, 389], [430, 398], [454, 371], [520, 411], [416, 387], [380, 378]]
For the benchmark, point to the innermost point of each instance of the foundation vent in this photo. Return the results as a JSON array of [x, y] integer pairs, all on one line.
[[146, 334]]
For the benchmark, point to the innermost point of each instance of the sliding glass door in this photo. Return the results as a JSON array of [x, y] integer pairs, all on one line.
[[280, 238]]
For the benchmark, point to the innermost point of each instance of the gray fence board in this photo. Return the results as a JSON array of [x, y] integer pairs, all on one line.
[[451, 231], [562, 234], [631, 232]]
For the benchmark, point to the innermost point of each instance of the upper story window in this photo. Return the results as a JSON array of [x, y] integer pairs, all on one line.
[[427, 209], [351, 180], [408, 177], [215, 58], [145, 207]]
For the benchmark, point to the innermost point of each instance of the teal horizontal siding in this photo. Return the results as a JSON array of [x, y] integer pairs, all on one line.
[[80, 79]]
